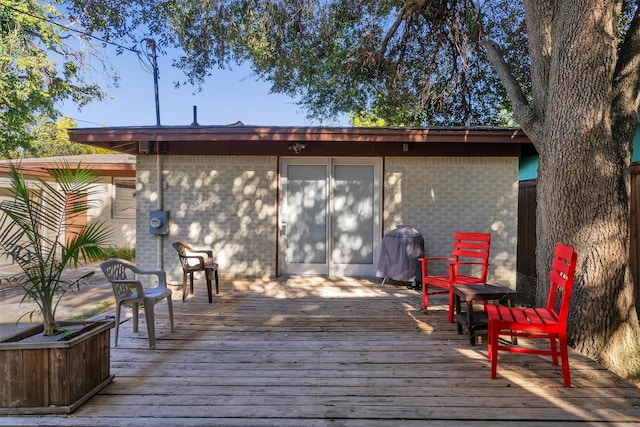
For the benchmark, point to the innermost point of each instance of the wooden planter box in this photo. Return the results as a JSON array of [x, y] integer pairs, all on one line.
[[40, 375]]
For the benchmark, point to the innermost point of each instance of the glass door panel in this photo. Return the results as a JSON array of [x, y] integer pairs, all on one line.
[[305, 218], [352, 214], [330, 216]]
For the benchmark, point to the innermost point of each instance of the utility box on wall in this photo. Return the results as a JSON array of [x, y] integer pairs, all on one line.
[[158, 222]]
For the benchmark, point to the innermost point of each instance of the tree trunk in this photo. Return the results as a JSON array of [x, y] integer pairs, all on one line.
[[48, 320], [583, 186], [584, 204]]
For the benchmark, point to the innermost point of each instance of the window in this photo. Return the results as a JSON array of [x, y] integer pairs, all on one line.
[[124, 202]]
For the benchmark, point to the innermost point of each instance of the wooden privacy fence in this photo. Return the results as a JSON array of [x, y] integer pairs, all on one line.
[[526, 264]]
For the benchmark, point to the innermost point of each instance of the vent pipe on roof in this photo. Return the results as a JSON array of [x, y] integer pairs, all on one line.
[[195, 116]]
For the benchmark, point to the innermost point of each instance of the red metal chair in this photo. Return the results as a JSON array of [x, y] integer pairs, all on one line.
[[468, 265], [545, 323]]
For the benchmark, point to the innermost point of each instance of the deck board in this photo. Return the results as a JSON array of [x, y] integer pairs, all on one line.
[[334, 352]]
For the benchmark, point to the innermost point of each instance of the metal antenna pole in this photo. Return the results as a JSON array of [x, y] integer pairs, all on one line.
[[151, 44]]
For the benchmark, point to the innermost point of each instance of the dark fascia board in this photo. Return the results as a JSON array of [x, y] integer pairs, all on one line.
[[318, 141]]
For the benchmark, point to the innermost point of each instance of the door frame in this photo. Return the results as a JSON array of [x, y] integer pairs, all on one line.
[[331, 269]]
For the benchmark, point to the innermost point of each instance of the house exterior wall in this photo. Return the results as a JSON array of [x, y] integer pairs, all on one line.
[[123, 231], [223, 203], [441, 195], [229, 204]]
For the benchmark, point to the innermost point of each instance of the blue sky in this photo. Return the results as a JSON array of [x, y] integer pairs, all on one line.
[[226, 97]]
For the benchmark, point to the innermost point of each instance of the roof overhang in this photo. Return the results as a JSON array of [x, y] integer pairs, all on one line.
[[106, 165], [307, 141]]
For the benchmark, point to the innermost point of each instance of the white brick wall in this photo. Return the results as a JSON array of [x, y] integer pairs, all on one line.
[[228, 204], [441, 195], [225, 203]]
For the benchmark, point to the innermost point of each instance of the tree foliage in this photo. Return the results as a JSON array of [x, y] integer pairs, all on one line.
[[41, 65], [409, 63], [51, 140]]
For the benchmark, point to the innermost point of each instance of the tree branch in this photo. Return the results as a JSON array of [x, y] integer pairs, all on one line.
[[539, 17], [522, 111], [406, 11]]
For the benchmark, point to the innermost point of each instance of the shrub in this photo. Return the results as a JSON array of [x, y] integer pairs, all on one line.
[[128, 254]]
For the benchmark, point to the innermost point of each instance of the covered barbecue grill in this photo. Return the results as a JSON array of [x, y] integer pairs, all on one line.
[[399, 255]]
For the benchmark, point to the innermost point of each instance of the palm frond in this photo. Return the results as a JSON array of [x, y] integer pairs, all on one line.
[[38, 233]]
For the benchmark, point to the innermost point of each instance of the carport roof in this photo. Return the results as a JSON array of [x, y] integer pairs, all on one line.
[[117, 165], [238, 139]]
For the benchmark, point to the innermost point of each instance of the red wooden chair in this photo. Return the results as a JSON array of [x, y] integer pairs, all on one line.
[[468, 265], [545, 323]]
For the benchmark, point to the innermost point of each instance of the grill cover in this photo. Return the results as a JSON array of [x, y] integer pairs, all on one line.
[[399, 255]]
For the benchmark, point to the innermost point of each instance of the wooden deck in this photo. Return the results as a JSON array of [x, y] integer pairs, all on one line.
[[328, 352]]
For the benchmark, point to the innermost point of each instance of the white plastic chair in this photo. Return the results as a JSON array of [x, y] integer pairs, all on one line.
[[128, 290]]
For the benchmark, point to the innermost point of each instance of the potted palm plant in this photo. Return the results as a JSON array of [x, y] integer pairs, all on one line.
[[54, 366]]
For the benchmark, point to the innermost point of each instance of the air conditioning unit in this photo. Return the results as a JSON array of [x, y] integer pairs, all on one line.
[[145, 147]]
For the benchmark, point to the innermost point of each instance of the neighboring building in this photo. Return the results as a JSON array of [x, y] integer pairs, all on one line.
[[317, 200], [117, 205]]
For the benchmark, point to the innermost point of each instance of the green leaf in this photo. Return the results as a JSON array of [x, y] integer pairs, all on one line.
[[35, 222]]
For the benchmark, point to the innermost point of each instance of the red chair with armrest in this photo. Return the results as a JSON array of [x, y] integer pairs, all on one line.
[[468, 265]]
